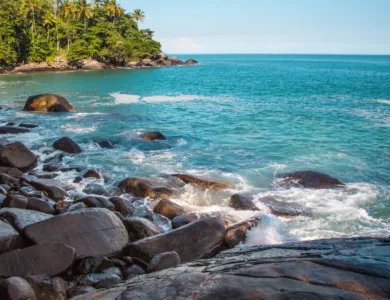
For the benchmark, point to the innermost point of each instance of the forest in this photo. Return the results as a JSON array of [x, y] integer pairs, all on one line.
[[41, 30]]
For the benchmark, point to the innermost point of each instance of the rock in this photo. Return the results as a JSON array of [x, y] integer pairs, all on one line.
[[184, 220], [96, 189], [204, 183], [140, 187], [93, 264], [17, 155], [79, 290], [163, 261], [47, 288], [70, 169], [12, 130], [78, 179], [152, 136], [15, 201], [101, 202], [20, 218], [174, 58], [133, 270], [92, 232], [99, 280], [48, 103], [9, 238], [146, 61], [13, 172], [124, 206], [6, 179], [150, 64], [76, 206], [242, 202], [285, 209], [94, 65], [236, 234], [61, 207], [160, 56], [49, 168], [309, 179], [49, 258], [10, 124], [67, 145], [104, 144], [28, 125], [191, 62], [199, 239], [40, 205], [92, 174], [113, 270], [48, 187], [16, 288], [166, 63], [320, 269], [140, 228], [132, 64], [163, 223], [168, 209]]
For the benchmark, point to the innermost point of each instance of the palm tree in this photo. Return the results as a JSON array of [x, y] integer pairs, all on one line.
[[138, 16], [85, 11], [97, 3], [31, 9], [49, 22], [113, 10], [66, 10], [56, 7]]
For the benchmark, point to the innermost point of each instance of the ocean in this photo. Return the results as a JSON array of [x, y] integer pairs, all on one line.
[[239, 118]]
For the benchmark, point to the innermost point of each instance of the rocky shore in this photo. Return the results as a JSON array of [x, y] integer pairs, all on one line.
[[107, 244], [62, 65]]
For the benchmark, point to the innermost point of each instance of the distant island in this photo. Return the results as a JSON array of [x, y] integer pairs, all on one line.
[[55, 35]]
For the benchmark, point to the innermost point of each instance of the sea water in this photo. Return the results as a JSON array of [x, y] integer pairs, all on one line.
[[239, 118]]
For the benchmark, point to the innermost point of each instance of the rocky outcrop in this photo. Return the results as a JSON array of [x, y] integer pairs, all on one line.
[[48, 103], [92, 231], [355, 269], [168, 209], [160, 60], [309, 179], [153, 136], [191, 62], [199, 239], [182, 220], [67, 145], [140, 187], [35, 68], [94, 65], [16, 155], [203, 183]]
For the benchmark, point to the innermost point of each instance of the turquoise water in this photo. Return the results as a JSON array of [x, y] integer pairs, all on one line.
[[240, 118]]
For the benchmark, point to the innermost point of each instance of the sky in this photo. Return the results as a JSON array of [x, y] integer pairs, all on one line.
[[268, 26]]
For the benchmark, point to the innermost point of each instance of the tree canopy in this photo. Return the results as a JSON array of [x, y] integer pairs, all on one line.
[[39, 30]]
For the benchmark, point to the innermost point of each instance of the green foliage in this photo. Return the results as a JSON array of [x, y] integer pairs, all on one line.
[[37, 30]]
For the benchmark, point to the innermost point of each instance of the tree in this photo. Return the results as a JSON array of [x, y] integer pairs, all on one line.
[[138, 16], [113, 10], [66, 11], [85, 11], [31, 8]]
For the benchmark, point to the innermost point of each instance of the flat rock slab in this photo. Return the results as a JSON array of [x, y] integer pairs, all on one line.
[[20, 218], [92, 231], [356, 268], [50, 259]]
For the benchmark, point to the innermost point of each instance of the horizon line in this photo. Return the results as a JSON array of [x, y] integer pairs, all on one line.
[[237, 53]]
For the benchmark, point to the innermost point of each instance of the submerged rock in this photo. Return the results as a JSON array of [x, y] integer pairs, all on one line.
[[168, 209], [152, 136], [203, 183], [92, 174], [310, 179], [242, 202], [67, 145], [140, 187], [48, 103], [12, 130], [17, 155], [104, 143]]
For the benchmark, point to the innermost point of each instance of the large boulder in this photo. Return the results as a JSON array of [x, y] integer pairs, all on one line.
[[17, 155], [203, 183], [309, 179], [49, 258], [50, 188], [140, 228], [199, 239], [153, 136], [16, 288], [67, 145], [20, 218], [168, 209], [242, 202], [48, 103], [285, 209], [12, 130], [140, 187], [9, 238], [95, 201], [94, 65], [92, 231], [41, 205]]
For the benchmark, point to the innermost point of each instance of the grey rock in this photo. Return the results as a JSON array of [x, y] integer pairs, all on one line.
[[99, 280], [124, 206], [79, 290], [15, 201], [20, 218], [17, 155], [47, 288], [9, 238], [96, 189], [67, 145], [50, 187], [40, 205], [16, 288], [133, 270], [140, 228], [163, 261]]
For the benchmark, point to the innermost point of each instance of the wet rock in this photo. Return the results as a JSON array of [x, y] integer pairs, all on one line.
[[199, 239], [152, 136], [184, 220], [285, 209], [48, 103], [92, 174], [47, 288], [163, 223], [28, 125], [204, 183], [70, 169], [310, 179], [56, 159], [163, 261], [49, 258], [16, 288], [49, 168], [191, 62], [78, 179], [9, 238], [104, 144], [12, 130], [124, 206], [99, 280], [79, 290], [166, 63], [140, 187], [96, 189], [76, 206], [94, 65], [20, 218], [50, 188], [132, 271], [101, 202], [242, 202], [139, 228], [168, 209], [236, 234], [13, 172], [67, 145], [17, 155], [40, 205], [15, 201], [92, 231]]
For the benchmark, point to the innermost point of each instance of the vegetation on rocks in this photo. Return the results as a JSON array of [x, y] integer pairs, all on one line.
[[40, 30]]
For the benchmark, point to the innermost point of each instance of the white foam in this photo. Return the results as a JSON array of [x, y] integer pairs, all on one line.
[[76, 129], [136, 156], [125, 98], [154, 99], [268, 231], [384, 101]]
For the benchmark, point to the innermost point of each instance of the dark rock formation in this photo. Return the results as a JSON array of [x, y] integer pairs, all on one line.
[[203, 183], [13, 172], [124, 206], [15, 201], [152, 136], [191, 62], [48, 103], [17, 155], [92, 201], [28, 125], [40, 205], [309, 179], [140, 187], [67, 145], [242, 202], [92, 174], [50, 188], [104, 144], [47, 288], [140, 228], [168, 209], [12, 130]]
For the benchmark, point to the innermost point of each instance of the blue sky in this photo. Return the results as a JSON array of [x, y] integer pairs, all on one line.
[[268, 26]]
